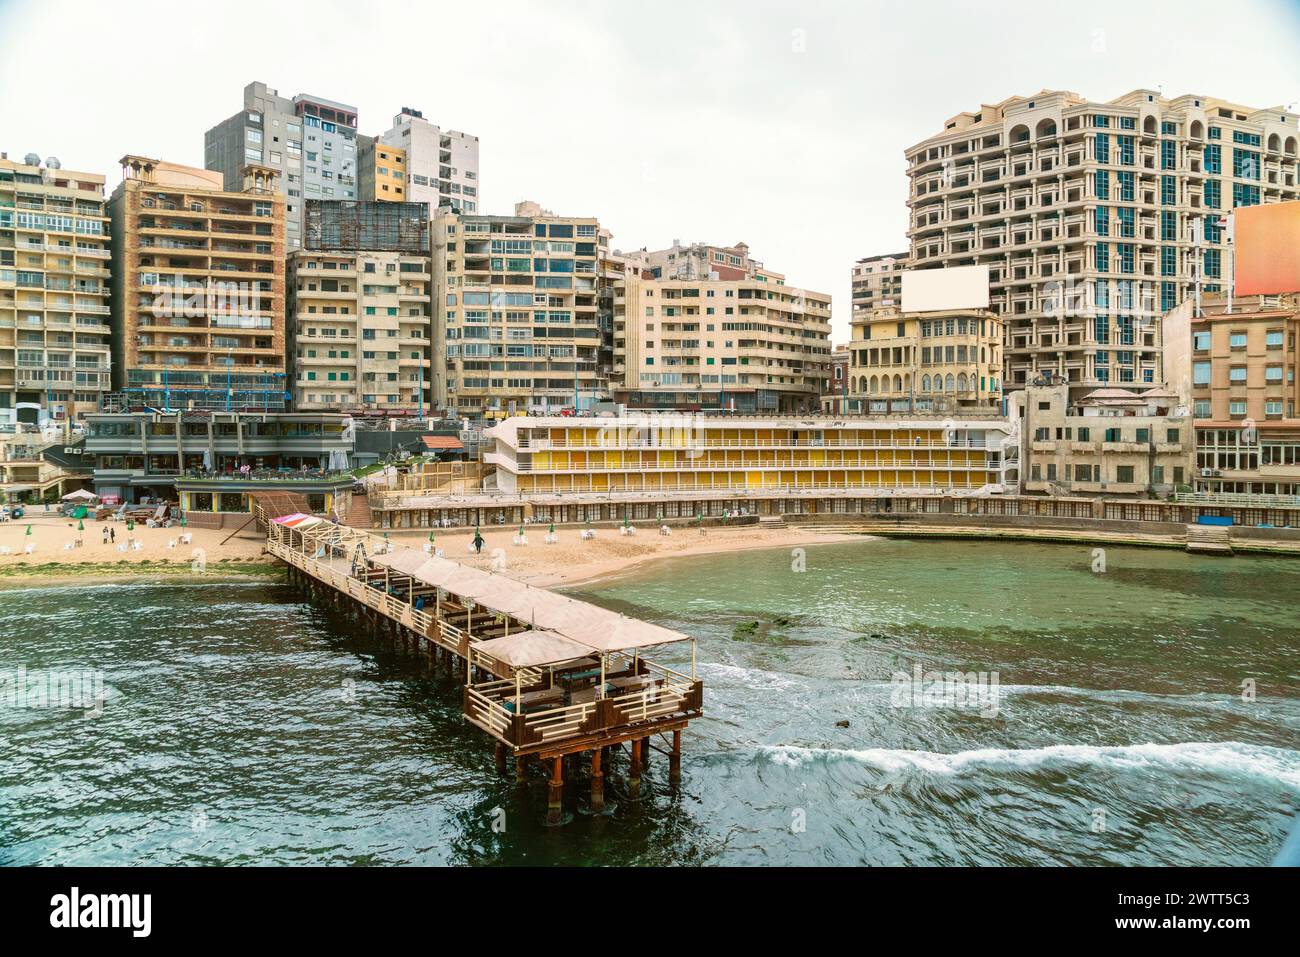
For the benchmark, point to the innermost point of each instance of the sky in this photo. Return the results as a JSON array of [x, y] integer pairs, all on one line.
[[780, 124]]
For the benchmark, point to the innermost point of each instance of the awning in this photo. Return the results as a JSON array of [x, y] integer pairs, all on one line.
[[531, 649], [596, 628], [442, 443], [80, 495], [298, 520]]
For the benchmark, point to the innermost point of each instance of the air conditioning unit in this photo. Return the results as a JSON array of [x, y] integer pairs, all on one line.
[[1217, 473], [1206, 473]]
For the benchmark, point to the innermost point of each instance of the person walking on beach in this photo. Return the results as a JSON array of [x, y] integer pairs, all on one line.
[[478, 541], [112, 535], [105, 534]]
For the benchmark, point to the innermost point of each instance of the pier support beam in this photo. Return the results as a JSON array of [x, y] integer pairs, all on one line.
[[521, 768], [645, 753], [555, 793], [597, 783], [675, 760], [501, 758], [634, 769]]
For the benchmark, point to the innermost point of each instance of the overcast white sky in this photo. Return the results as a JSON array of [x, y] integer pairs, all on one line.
[[782, 124]]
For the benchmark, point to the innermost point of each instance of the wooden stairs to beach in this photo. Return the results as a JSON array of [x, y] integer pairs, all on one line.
[[275, 504], [359, 514], [771, 521], [1209, 539]]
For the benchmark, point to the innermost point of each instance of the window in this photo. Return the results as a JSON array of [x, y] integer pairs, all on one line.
[[1124, 474], [1200, 373], [1200, 341]]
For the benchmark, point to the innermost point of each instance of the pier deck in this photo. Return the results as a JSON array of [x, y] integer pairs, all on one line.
[[545, 675]]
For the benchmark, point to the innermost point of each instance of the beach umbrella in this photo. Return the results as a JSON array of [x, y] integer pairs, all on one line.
[[626, 523], [552, 528], [431, 538], [29, 529], [130, 525], [81, 526], [184, 521]]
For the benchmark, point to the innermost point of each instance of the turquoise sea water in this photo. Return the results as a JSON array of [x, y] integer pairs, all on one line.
[[243, 725]]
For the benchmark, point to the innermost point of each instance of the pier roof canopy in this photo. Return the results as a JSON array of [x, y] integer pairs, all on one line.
[[595, 628], [532, 649]]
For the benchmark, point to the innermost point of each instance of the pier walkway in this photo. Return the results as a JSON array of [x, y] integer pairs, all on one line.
[[546, 676]]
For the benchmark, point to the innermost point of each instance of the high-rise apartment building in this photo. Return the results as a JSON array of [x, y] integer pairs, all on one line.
[[516, 314], [198, 287], [878, 282], [441, 165], [1094, 217], [309, 140], [360, 309], [54, 291], [706, 327]]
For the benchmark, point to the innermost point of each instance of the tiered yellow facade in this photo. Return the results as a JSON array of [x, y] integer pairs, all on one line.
[[682, 453]]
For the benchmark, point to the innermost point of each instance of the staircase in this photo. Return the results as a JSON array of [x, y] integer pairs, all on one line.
[[1209, 539], [358, 513], [771, 521], [275, 504]]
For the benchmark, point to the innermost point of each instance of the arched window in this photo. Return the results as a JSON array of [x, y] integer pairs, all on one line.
[[961, 382], [1149, 126], [925, 383], [1290, 146], [1274, 143], [898, 383], [1019, 134], [875, 384], [1197, 130], [950, 383], [1045, 130]]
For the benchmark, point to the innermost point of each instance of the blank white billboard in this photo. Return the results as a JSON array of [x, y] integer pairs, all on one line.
[[933, 290]]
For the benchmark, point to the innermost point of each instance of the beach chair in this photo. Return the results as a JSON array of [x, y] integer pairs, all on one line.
[[6, 550], [187, 538], [171, 543], [69, 546], [121, 547], [29, 549], [136, 545]]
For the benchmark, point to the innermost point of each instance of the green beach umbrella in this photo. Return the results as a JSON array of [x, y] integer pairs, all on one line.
[[184, 521], [626, 523], [29, 529], [130, 525], [552, 528], [431, 538], [81, 526]]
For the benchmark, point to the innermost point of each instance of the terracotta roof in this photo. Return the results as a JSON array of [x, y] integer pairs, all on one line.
[[441, 442]]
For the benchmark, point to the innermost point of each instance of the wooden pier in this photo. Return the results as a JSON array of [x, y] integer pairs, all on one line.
[[546, 676]]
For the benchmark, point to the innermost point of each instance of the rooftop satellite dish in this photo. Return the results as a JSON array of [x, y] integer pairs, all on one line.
[[31, 159], [53, 163]]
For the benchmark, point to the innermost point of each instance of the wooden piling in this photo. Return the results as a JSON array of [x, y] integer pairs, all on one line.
[[521, 768], [555, 793], [597, 782], [501, 758], [675, 760], [634, 768]]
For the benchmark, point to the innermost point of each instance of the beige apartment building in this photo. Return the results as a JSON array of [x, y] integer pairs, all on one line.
[[1245, 395], [359, 331], [706, 327], [1109, 442], [1094, 218], [198, 288], [516, 315], [54, 291], [878, 282], [942, 361]]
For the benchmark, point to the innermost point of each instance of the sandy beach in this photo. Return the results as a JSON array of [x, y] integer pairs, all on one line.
[[568, 561]]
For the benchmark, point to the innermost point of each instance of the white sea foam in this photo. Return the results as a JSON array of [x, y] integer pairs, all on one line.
[[1229, 757], [754, 679]]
